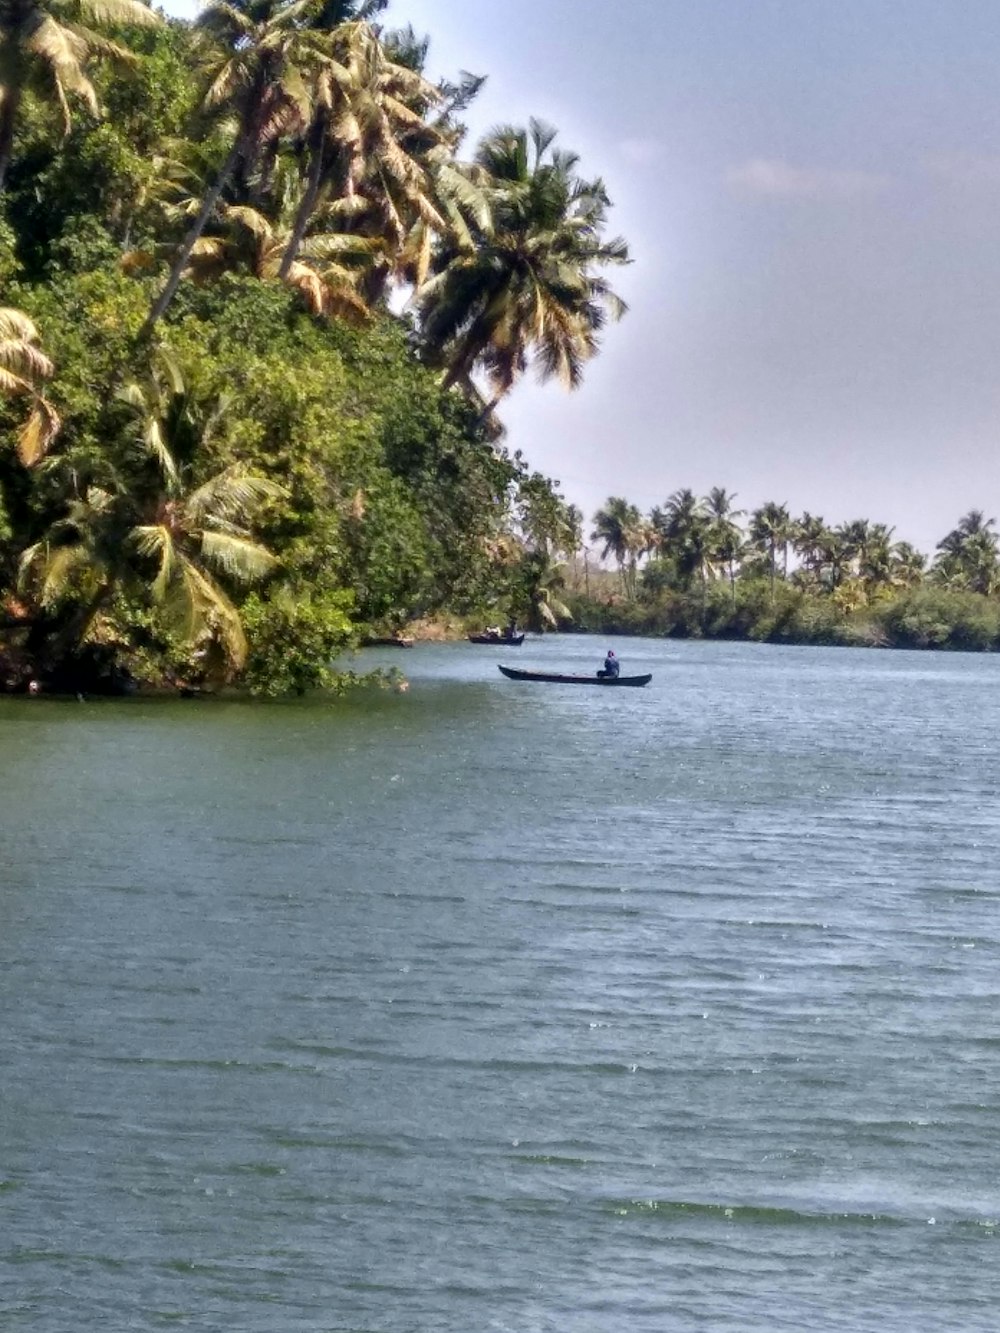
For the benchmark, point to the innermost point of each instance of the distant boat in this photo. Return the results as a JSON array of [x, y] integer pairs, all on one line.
[[554, 678], [508, 640]]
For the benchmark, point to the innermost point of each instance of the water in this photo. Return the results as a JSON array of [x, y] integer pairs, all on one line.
[[507, 1007]]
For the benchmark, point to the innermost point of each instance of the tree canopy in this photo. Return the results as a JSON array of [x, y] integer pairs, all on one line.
[[246, 390]]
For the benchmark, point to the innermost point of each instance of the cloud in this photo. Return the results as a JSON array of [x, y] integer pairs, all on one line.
[[778, 180], [640, 151]]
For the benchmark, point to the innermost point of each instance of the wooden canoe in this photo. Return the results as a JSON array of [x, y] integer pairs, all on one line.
[[554, 678], [514, 641]]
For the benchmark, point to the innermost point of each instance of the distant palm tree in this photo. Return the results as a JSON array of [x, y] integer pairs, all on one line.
[[810, 532], [968, 554], [907, 566], [541, 582], [45, 47], [572, 538], [22, 366], [618, 526], [771, 530], [835, 558], [724, 537], [875, 557], [684, 535]]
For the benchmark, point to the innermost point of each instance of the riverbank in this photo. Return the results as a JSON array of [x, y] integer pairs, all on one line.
[[919, 618]]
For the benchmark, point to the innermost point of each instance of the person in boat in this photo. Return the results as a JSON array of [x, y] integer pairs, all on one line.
[[611, 668], [511, 631]]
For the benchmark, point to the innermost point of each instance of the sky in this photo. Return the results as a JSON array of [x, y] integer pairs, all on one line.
[[811, 194]]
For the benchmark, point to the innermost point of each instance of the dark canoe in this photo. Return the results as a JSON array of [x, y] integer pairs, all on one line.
[[512, 673], [514, 641]]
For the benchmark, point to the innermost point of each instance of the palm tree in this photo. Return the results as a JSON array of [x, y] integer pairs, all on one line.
[[258, 80], [327, 274], [540, 582], [530, 289], [152, 535], [683, 532], [810, 532], [968, 554], [875, 557], [617, 526], [771, 530], [724, 536], [22, 366], [835, 558], [908, 564], [45, 47], [365, 140], [571, 537]]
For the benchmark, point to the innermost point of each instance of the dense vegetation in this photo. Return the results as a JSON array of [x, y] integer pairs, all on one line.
[[699, 567], [257, 312]]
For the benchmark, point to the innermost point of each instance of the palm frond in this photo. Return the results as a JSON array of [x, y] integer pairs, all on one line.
[[120, 13], [237, 557], [38, 432], [231, 496], [155, 542]]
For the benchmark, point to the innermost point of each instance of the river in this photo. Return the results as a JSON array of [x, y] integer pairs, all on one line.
[[500, 1007]]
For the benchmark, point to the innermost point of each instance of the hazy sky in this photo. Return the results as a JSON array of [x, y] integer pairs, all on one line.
[[811, 191]]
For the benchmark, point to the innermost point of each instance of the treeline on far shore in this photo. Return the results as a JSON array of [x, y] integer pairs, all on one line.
[[925, 617], [698, 567]]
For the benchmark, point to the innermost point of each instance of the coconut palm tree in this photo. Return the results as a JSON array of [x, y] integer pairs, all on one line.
[[683, 533], [22, 366], [571, 537], [45, 49], [530, 290], [617, 526], [771, 530], [327, 274], [151, 534], [539, 583], [875, 557], [835, 558], [908, 564], [365, 141], [969, 554], [810, 531], [263, 52], [724, 536]]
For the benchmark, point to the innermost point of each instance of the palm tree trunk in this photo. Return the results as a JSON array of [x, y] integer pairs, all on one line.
[[8, 119], [488, 410], [211, 198], [307, 203], [704, 596]]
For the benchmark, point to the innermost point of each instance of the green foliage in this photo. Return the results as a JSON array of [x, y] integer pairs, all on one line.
[[226, 428], [293, 641], [936, 618]]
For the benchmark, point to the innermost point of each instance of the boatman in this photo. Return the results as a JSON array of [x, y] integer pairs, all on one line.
[[611, 666]]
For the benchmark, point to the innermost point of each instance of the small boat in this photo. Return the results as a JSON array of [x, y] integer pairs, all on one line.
[[512, 673], [508, 640]]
